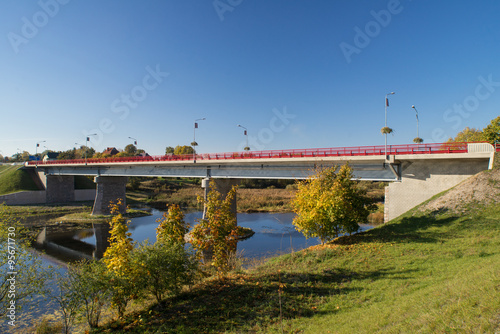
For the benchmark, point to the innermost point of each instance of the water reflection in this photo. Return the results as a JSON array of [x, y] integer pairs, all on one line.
[[274, 234]]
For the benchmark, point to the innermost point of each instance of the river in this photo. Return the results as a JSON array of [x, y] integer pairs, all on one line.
[[274, 235]]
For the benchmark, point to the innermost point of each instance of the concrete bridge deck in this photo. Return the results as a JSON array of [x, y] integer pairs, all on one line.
[[417, 171]]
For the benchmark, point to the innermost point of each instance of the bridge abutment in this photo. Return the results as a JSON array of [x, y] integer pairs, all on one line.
[[60, 189], [109, 189], [423, 179]]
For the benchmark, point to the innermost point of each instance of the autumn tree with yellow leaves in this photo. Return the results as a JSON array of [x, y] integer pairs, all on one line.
[[218, 232], [117, 260], [329, 204], [172, 228]]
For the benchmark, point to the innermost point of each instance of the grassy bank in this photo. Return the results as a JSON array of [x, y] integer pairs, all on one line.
[[425, 272], [13, 179]]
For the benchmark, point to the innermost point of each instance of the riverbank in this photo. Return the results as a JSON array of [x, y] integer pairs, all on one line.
[[423, 272], [159, 193], [248, 200]]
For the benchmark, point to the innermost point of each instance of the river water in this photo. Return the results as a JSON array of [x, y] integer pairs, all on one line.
[[274, 235]]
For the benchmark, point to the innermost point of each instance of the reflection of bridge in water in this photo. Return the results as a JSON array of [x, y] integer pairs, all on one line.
[[68, 245]]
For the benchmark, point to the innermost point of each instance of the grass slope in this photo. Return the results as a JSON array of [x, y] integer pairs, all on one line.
[[422, 273], [13, 179]]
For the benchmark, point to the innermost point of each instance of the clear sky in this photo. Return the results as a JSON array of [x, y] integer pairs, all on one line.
[[295, 73]]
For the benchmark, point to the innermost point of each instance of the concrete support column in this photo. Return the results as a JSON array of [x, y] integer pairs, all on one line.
[[109, 189], [223, 186], [60, 189]]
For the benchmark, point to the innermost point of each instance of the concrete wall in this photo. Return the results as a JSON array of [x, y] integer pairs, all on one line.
[[422, 179], [82, 195], [39, 197], [24, 198]]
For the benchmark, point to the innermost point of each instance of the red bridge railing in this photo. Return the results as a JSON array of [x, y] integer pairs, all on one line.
[[448, 148]]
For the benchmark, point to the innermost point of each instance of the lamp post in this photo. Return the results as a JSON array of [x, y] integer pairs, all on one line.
[[86, 145], [385, 127], [36, 151], [247, 148], [194, 143], [135, 140], [417, 140]]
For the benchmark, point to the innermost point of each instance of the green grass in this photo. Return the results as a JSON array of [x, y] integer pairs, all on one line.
[[86, 216], [13, 179], [421, 273]]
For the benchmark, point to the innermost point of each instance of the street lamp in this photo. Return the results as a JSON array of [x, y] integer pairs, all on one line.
[[194, 143], [36, 151], [386, 130], [86, 145], [135, 140], [247, 148], [417, 140]]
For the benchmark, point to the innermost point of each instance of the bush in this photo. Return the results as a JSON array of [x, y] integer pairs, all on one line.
[[163, 269]]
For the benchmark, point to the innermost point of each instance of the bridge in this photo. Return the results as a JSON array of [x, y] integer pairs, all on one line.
[[416, 171]]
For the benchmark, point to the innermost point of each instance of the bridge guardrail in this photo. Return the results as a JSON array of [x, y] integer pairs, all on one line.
[[436, 148]]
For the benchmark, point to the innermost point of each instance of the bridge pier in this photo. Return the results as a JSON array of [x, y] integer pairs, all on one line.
[[60, 189], [223, 186], [422, 179], [109, 189]]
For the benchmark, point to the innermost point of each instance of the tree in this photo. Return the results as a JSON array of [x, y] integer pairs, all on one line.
[[217, 232], [89, 281], [329, 203], [67, 299], [467, 135], [172, 228], [130, 150], [169, 150], [492, 131], [163, 268], [117, 260], [183, 150]]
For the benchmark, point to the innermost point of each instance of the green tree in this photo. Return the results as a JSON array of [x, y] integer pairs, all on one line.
[[492, 131], [172, 228], [329, 203], [163, 268], [89, 281], [130, 150], [467, 135], [217, 232], [169, 150], [183, 150], [117, 260], [67, 299]]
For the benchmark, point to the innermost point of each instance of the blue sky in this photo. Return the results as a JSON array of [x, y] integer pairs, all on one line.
[[295, 73]]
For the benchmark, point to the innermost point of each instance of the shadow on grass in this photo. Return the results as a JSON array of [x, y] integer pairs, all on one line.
[[244, 303], [416, 228]]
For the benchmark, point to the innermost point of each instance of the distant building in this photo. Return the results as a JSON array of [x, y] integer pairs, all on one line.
[[111, 151], [50, 156]]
